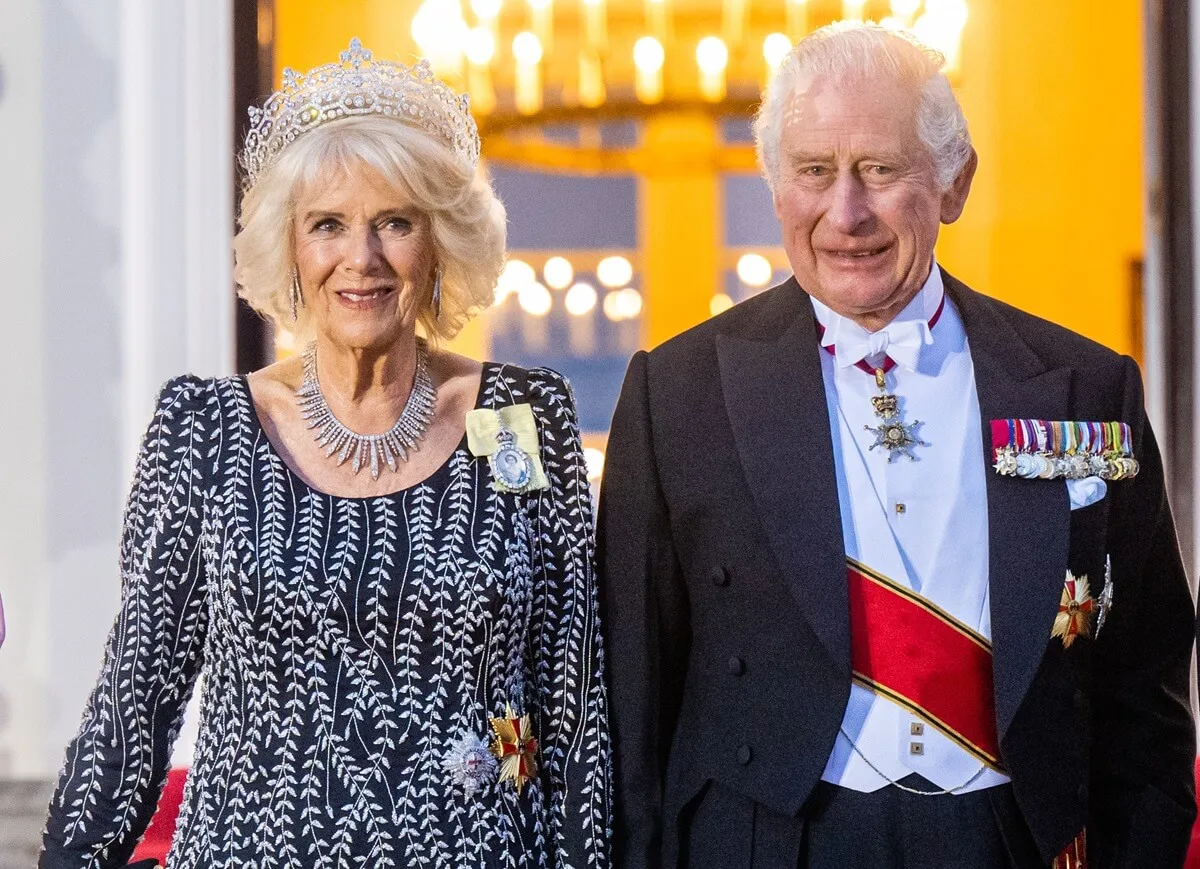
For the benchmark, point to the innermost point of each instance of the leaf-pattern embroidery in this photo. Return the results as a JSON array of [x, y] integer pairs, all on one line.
[[344, 645]]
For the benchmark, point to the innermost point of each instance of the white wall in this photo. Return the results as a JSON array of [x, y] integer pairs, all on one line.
[[115, 132], [24, 523]]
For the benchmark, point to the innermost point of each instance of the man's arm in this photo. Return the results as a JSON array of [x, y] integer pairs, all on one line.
[[1143, 737], [645, 617]]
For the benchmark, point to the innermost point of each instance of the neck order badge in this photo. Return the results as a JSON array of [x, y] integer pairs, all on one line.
[[893, 434]]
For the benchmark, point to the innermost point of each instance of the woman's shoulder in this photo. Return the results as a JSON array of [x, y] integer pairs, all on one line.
[[187, 393], [547, 392], [540, 384], [211, 401]]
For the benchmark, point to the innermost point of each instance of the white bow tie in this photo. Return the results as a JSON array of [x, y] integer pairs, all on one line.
[[852, 343]]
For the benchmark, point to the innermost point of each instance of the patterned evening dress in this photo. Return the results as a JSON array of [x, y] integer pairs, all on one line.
[[348, 648]]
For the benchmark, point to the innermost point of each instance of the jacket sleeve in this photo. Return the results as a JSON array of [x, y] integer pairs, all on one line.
[[646, 618], [116, 766], [567, 653], [1143, 750]]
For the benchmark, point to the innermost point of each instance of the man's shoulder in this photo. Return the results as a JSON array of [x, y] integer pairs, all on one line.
[[760, 318], [1056, 346]]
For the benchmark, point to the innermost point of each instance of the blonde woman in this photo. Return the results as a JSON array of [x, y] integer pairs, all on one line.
[[378, 554]]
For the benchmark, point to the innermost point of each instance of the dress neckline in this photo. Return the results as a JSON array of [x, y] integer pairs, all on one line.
[[490, 370]]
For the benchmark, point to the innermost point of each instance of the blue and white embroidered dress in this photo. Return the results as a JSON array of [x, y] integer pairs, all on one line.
[[346, 645]]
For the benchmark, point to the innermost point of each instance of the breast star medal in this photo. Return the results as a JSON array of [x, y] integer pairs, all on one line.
[[470, 763], [1074, 611], [515, 748], [895, 436]]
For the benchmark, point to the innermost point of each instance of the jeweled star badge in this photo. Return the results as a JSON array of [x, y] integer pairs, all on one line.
[[1074, 611], [470, 764], [895, 436], [515, 747]]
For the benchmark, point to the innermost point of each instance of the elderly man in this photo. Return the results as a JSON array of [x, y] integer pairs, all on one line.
[[890, 574]]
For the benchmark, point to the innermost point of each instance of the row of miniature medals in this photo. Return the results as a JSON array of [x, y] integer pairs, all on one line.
[[1032, 449]]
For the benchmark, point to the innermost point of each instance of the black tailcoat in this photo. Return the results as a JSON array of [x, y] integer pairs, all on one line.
[[726, 603]]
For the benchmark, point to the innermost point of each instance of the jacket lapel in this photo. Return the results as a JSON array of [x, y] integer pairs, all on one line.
[[775, 398], [1028, 520]]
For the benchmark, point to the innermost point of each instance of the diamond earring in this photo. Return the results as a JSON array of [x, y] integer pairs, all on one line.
[[437, 293], [297, 299]]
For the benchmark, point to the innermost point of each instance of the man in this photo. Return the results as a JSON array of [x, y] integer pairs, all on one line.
[[890, 576]]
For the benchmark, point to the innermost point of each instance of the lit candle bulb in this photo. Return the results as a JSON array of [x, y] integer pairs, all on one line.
[[595, 25], [527, 51], [658, 19], [480, 49], [797, 19], [734, 15], [541, 14], [852, 10], [648, 57], [712, 57]]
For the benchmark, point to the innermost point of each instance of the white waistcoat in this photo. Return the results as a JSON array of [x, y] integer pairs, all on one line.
[[922, 523]]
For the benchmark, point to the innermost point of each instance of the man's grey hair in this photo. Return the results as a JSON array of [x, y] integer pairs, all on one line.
[[853, 51]]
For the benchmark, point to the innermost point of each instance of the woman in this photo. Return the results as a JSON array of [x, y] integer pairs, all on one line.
[[377, 554]]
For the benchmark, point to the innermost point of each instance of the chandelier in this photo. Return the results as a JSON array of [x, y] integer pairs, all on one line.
[[530, 63]]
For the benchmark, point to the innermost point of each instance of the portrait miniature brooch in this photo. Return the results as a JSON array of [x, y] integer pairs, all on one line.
[[508, 438], [1037, 449]]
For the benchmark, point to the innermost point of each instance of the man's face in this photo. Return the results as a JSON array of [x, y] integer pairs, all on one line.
[[858, 197]]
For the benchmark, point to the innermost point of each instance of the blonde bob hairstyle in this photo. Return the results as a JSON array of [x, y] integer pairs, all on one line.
[[466, 219]]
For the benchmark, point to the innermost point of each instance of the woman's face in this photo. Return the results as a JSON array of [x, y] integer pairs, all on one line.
[[365, 258]]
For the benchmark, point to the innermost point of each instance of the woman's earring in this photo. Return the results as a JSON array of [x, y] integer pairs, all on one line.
[[297, 299], [437, 293]]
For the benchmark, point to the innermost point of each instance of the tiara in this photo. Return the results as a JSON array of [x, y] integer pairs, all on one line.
[[358, 85]]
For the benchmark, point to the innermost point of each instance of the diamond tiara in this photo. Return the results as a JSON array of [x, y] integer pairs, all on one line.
[[358, 85]]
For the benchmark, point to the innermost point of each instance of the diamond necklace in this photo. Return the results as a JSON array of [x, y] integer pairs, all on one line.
[[390, 447]]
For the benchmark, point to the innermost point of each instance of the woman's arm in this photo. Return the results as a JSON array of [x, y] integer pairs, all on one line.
[[116, 766], [566, 646]]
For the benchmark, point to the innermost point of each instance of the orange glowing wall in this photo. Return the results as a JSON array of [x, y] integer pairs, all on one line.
[[1053, 94]]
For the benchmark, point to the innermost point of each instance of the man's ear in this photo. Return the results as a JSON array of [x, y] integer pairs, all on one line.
[[954, 198]]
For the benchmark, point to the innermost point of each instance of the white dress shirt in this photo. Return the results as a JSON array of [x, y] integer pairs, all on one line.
[[921, 522]]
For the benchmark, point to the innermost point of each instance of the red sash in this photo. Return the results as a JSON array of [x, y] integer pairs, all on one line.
[[906, 649]]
